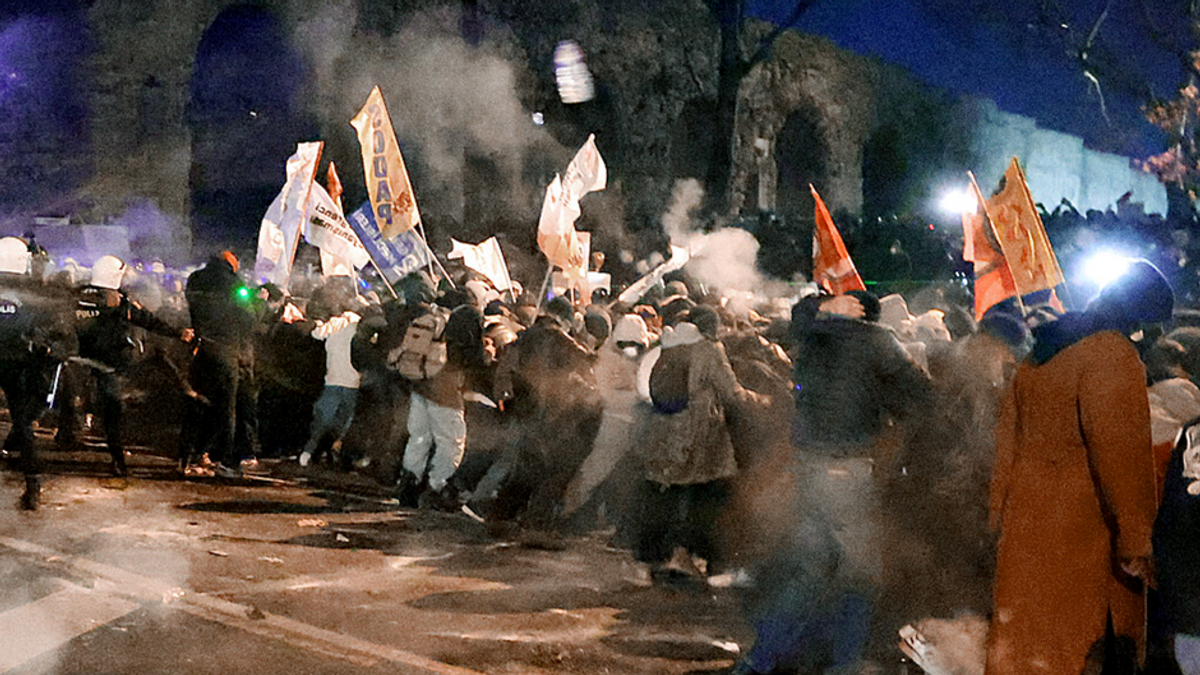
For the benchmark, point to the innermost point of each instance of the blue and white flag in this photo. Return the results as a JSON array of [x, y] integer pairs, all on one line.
[[397, 257]]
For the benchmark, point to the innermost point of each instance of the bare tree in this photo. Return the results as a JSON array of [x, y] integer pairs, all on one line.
[[736, 61]]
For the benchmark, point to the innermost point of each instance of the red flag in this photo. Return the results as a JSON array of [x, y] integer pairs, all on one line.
[[1021, 235], [333, 183], [993, 278], [833, 269]]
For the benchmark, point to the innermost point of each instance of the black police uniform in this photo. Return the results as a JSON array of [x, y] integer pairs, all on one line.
[[36, 336], [103, 318]]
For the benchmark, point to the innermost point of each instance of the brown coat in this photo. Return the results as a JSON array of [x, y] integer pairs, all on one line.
[[694, 446], [1072, 493]]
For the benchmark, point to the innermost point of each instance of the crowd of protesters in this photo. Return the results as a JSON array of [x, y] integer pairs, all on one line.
[[851, 466]]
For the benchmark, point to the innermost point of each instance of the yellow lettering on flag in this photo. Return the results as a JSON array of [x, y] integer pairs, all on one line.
[[1021, 235], [833, 269], [390, 191]]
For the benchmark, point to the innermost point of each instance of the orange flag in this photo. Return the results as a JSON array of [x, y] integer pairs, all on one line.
[[833, 269], [1021, 235], [993, 280], [333, 183], [388, 186]]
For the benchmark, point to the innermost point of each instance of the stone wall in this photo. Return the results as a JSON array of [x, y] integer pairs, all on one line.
[[655, 66], [1056, 164]]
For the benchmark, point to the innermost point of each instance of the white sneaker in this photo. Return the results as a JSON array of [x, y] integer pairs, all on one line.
[[305, 458]]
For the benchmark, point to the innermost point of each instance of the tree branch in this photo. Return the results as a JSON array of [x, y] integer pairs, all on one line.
[[764, 44]]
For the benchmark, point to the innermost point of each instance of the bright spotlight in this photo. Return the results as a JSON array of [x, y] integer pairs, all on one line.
[[959, 201], [1105, 266]]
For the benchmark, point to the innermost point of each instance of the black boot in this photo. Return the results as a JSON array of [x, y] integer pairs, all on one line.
[[118, 465], [408, 490], [33, 493]]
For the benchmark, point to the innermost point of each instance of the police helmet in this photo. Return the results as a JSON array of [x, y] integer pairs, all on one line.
[[14, 256], [108, 272]]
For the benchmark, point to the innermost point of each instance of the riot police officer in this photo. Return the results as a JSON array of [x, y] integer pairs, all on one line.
[[36, 336], [104, 315]]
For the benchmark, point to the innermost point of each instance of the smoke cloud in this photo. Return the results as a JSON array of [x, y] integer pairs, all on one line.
[[724, 260], [448, 99]]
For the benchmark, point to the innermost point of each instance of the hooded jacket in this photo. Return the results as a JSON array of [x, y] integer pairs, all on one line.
[[212, 300], [693, 445]]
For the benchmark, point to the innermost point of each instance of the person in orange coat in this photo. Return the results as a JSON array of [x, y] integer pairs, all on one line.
[[1073, 491]]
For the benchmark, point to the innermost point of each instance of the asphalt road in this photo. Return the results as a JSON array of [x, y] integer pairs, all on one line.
[[156, 574]]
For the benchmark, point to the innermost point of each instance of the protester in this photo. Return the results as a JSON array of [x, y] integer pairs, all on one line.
[[1073, 490], [1176, 554], [222, 366], [820, 587], [687, 454], [334, 410], [449, 349], [546, 381]]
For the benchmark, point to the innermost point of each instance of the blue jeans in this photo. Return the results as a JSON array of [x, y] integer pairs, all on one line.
[[332, 414]]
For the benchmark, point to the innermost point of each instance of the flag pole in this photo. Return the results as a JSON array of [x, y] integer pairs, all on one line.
[[383, 276], [507, 277], [987, 216], [433, 260], [376, 266], [545, 284], [303, 210]]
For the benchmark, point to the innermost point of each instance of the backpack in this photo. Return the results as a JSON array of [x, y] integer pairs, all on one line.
[[422, 353], [669, 381]]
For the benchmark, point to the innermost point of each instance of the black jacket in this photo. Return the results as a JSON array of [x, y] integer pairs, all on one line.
[[1177, 544], [103, 317], [851, 376], [216, 310], [36, 321]]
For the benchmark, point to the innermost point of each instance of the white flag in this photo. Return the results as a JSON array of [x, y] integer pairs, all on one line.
[[279, 233], [679, 257], [485, 258], [325, 227], [586, 172], [556, 228]]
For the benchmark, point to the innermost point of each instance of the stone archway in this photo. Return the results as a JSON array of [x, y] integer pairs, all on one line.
[[808, 98], [801, 157], [245, 114]]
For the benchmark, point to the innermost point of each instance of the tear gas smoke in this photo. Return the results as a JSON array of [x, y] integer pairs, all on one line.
[[723, 260], [155, 234], [449, 100]]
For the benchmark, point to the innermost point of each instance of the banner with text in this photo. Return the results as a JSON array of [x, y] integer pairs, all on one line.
[[393, 204], [396, 258]]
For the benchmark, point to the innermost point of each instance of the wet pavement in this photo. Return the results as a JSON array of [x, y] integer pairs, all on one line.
[[319, 572]]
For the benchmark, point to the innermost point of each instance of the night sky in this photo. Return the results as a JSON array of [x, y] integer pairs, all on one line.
[[1023, 54]]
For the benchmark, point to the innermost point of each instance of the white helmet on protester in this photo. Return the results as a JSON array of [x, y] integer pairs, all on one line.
[[14, 256], [108, 272]]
